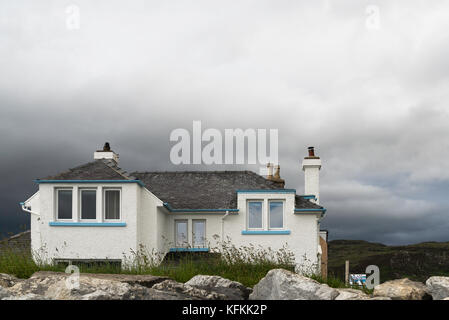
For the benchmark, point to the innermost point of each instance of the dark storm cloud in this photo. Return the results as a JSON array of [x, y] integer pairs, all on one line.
[[373, 102]]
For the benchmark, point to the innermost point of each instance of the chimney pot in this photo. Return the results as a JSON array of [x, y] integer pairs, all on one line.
[[277, 175], [106, 147], [270, 171], [311, 151]]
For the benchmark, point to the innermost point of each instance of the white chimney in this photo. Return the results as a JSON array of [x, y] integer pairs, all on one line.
[[106, 153], [311, 166]]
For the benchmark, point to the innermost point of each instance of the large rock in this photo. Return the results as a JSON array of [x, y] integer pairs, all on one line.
[[7, 280], [185, 291], [28, 296], [52, 285], [145, 280], [438, 287], [233, 290], [351, 294], [402, 289], [280, 284], [37, 284], [4, 293]]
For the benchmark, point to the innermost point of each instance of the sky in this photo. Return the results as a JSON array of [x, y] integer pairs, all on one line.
[[365, 82]]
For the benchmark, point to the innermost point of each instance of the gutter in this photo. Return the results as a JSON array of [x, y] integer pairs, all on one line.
[[169, 208], [22, 205]]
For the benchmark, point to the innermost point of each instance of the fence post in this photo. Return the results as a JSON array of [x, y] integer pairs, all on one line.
[[347, 272]]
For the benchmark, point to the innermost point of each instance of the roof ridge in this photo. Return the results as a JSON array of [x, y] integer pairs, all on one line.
[[112, 165], [197, 171]]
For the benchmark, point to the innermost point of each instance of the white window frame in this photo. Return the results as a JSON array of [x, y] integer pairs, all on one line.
[[269, 214], [262, 214], [193, 236], [80, 203], [187, 243], [57, 203], [104, 204]]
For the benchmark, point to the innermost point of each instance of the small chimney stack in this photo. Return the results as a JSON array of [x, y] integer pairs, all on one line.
[[277, 176], [311, 166], [106, 153], [270, 171]]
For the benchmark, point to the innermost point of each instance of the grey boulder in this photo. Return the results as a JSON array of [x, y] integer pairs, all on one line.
[[280, 284], [351, 294], [182, 291], [402, 289], [7, 280], [233, 290], [438, 287]]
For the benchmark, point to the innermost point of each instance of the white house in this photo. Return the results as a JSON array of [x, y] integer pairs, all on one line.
[[97, 211]]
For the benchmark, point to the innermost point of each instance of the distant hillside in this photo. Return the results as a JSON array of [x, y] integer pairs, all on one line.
[[417, 261]]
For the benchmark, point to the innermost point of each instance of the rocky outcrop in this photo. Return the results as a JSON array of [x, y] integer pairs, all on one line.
[[58, 286], [231, 289], [7, 280], [438, 287], [280, 284], [351, 294], [145, 280], [4, 293], [184, 291], [402, 289]]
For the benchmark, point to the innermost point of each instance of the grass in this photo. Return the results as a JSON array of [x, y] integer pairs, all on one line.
[[246, 265]]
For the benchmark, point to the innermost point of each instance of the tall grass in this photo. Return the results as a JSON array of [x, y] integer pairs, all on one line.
[[246, 264]]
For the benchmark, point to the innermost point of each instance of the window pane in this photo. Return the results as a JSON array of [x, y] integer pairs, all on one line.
[[88, 204], [112, 204], [181, 234], [64, 204], [199, 233], [255, 214], [276, 214]]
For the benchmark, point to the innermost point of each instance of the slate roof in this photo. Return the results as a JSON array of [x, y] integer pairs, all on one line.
[[207, 189], [183, 189], [96, 170]]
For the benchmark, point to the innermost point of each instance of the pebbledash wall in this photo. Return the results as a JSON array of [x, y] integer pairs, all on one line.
[[147, 223]]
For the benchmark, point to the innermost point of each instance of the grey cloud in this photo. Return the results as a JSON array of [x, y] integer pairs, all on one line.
[[372, 102]]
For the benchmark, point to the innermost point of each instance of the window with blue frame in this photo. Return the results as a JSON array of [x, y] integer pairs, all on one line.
[[276, 214], [255, 214], [64, 204]]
